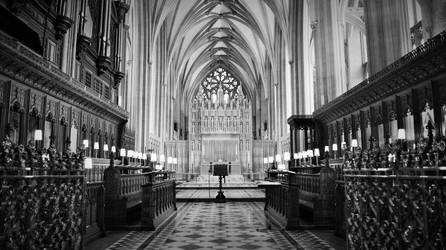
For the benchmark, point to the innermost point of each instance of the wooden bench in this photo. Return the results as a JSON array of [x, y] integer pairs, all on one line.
[[310, 189], [316, 194], [122, 194]]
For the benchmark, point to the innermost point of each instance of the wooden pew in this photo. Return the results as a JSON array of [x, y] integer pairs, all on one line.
[[158, 199], [281, 199], [316, 194], [122, 194], [95, 199], [311, 189]]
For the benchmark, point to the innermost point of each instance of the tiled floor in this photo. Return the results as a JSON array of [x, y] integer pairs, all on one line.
[[231, 225], [191, 194], [220, 226]]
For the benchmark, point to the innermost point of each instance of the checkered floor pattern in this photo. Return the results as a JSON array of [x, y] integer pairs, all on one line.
[[307, 240], [231, 225], [220, 226], [132, 240]]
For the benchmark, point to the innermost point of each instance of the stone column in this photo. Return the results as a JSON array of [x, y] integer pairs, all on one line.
[[296, 59], [329, 51], [388, 32], [433, 17]]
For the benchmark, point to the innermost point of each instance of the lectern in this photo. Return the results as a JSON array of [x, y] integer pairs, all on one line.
[[220, 170]]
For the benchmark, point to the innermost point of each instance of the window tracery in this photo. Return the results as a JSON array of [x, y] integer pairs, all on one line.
[[216, 80]]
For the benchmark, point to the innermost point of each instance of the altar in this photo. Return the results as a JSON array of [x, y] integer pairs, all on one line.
[[233, 168], [220, 131]]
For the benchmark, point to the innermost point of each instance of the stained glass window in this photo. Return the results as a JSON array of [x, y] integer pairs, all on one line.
[[220, 78]]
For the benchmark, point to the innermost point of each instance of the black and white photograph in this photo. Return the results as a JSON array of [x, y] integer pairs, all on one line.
[[222, 124]]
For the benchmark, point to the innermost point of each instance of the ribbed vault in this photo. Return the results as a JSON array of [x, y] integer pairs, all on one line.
[[202, 35]]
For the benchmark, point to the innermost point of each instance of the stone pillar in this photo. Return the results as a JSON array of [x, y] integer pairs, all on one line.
[[433, 17], [329, 51], [296, 58], [388, 32]]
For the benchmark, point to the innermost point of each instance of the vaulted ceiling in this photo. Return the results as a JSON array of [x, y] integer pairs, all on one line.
[[238, 35]]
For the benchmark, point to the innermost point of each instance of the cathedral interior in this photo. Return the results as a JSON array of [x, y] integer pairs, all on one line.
[[223, 124]]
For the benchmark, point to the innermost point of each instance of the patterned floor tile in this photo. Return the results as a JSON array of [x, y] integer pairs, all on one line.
[[132, 240], [231, 225], [239, 225], [308, 240]]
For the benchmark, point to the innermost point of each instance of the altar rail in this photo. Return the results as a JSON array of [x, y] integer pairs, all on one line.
[[395, 209], [42, 211], [158, 199]]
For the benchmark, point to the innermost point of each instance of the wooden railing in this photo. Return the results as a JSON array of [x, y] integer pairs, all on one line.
[[158, 201], [122, 192], [400, 209], [94, 210], [281, 198], [96, 173], [315, 191]]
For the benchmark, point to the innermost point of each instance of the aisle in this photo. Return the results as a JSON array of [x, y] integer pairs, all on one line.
[[209, 225], [240, 225]]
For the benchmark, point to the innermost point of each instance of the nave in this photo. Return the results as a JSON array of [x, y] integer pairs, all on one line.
[[118, 119], [209, 225]]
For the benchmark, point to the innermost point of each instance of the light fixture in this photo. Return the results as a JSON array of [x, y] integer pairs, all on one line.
[[401, 134], [153, 157], [278, 158], [162, 159], [122, 153], [310, 153], [354, 143], [96, 145], [158, 167], [265, 160], [281, 167], [327, 149], [286, 156], [113, 149], [270, 159], [105, 147], [85, 143], [38, 135], [299, 155], [335, 147], [88, 163], [317, 154]]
